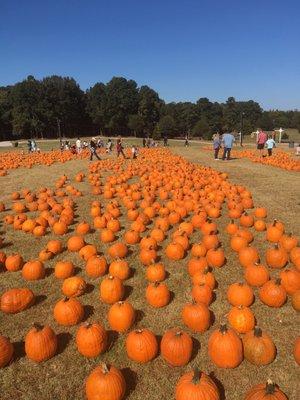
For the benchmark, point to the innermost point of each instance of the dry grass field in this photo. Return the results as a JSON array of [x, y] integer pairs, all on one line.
[[63, 376]]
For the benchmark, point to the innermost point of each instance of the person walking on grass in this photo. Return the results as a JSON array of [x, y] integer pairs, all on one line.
[[227, 142], [120, 148], [78, 146], [93, 149], [186, 140], [216, 145], [261, 140], [270, 144], [134, 151]]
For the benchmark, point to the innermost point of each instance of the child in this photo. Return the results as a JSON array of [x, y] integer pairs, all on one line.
[[298, 150], [217, 145], [270, 143], [134, 151]]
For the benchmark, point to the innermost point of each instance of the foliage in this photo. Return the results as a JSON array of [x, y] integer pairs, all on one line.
[[43, 107]]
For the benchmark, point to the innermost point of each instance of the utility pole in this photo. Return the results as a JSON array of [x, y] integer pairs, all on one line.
[[242, 129]]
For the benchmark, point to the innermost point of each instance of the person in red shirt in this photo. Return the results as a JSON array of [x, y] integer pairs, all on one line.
[[262, 137]]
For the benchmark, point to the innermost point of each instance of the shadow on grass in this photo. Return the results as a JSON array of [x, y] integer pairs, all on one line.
[[39, 299], [219, 385], [88, 312], [63, 339], [112, 337], [19, 350], [131, 380]]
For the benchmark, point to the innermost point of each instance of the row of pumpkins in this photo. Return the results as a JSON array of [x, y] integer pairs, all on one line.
[[170, 192], [280, 158]]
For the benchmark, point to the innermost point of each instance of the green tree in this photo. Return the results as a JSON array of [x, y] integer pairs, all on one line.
[[121, 101], [27, 118], [201, 129], [96, 105], [166, 126], [64, 101], [149, 105], [5, 113], [136, 124]]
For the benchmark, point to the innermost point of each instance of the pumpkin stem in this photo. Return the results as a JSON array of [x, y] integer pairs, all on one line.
[[156, 284], [65, 299], [274, 222], [270, 387], [138, 330], [276, 246], [179, 333], [223, 328], [257, 332], [278, 281], [196, 377], [105, 369]]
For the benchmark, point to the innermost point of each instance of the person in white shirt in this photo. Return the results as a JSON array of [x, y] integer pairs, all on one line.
[[270, 144], [78, 146]]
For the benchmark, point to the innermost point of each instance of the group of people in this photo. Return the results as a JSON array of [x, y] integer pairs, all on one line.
[[95, 144], [32, 146], [226, 141]]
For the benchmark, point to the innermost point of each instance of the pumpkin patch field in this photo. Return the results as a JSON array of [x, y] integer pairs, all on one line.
[[166, 277]]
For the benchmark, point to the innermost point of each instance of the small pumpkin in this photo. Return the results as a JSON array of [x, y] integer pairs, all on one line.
[[6, 351], [158, 294], [96, 266], [240, 294], [259, 348], [64, 269], [33, 270], [276, 257], [197, 317], [176, 347], [91, 339], [111, 290], [241, 319], [74, 286], [68, 312], [121, 316], [272, 293], [155, 273], [141, 345]]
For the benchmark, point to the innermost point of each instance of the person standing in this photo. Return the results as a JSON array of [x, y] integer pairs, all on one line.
[[186, 140], [270, 143], [134, 151], [261, 140], [165, 140], [109, 146], [93, 149], [78, 146], [144, 142], [120, 148], [216, 145], [227, 141]]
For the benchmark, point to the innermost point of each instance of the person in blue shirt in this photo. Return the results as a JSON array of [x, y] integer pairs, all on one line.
[[227, 141]]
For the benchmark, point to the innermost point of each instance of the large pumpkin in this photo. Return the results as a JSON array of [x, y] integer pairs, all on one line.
[[16, 300], [225, 348], [265, 391], [40, 343], [105, 383], [196, 385]]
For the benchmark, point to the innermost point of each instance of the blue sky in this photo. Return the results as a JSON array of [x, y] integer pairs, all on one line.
[[183, 49]]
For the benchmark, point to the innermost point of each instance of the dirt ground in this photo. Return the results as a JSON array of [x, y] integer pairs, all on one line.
[[63, 376]]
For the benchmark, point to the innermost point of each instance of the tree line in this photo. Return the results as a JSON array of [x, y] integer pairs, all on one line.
[[56, 106]]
